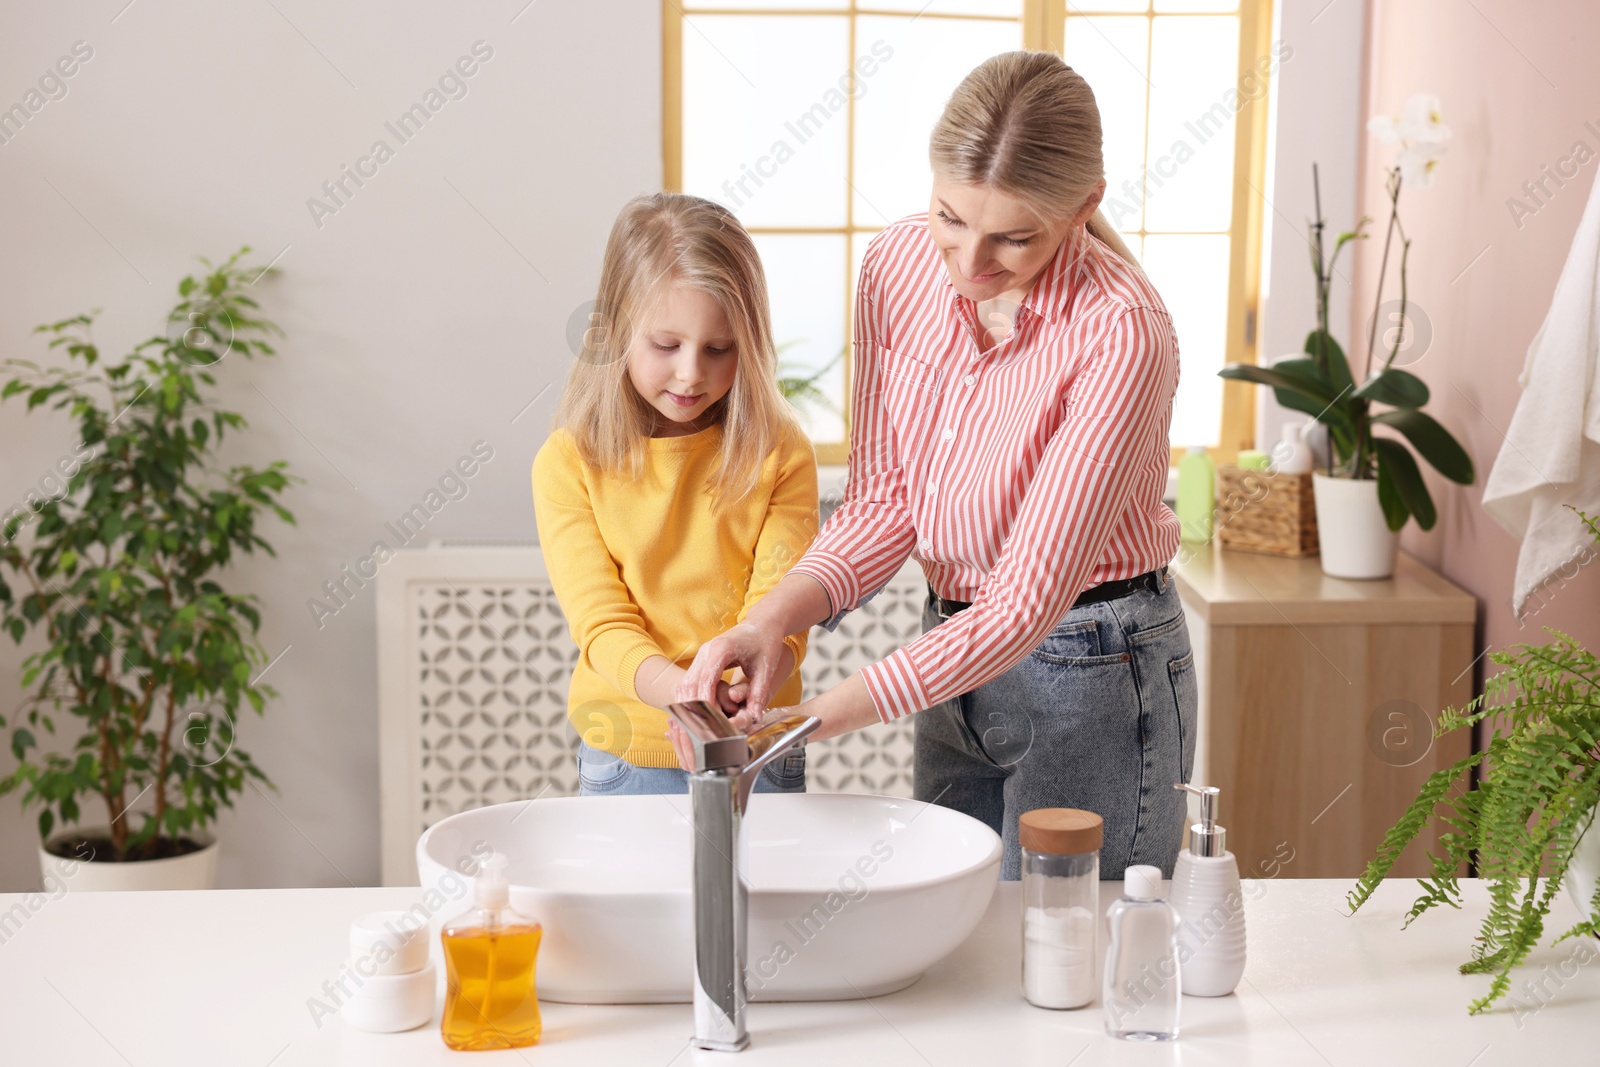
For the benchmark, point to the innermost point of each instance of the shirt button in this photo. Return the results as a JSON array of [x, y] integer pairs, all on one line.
[[968, 380], [949, 435], [926, 545], [932, 488]]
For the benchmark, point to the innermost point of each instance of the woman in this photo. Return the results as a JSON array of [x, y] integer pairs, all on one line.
[[1014, 376]]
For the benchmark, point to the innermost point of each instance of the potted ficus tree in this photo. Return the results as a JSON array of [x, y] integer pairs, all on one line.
[[1373, 484], [146, 660], [1527, 820]]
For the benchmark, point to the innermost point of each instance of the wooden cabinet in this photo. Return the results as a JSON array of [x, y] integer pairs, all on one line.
[[1318, 697]]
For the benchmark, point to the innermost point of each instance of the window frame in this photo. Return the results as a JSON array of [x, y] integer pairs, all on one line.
[[1043, 24]]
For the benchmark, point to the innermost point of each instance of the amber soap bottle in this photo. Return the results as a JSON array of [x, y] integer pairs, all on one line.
[[489, 953]]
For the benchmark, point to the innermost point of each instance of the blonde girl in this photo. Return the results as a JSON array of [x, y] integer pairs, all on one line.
[[675, 490]]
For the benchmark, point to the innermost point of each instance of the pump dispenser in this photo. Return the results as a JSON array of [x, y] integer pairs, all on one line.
[[1210, 904], [489, 952]]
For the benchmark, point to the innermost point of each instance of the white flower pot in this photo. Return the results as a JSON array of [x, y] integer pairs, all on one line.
[[196, 870], [1583, 871], [1355, 540]]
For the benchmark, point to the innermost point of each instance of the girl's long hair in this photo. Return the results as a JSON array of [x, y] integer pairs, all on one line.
[[1026, 124], [660, 241]]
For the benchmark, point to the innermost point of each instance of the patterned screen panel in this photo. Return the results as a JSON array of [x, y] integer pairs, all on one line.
[[494, 660]]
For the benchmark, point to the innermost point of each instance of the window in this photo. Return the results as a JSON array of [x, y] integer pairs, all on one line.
[[811, 121]]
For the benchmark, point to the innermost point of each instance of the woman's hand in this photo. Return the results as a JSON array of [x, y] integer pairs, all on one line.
[[760, 653], [847, 706]]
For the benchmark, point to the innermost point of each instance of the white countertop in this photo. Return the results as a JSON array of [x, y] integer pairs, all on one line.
[[223, 979]]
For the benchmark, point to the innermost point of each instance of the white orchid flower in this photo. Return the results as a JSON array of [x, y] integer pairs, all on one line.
[[1417, 162], [1419, 133], [1422, 120], [1386, 128]]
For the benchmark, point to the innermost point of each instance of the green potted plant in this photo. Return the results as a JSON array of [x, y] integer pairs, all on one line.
[[800, 388], [1373, 484], [145, 656], [1527, 818]]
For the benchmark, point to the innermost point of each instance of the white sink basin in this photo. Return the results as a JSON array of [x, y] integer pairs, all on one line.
[[850, 895]]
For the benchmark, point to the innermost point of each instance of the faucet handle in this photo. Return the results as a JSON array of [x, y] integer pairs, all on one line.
[[717, 743], [778, 735], [770, 742]]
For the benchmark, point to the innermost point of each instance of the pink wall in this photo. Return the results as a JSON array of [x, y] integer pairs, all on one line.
[[1516, 85]]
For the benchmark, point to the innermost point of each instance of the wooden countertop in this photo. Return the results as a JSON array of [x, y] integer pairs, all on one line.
[[1227, 587]]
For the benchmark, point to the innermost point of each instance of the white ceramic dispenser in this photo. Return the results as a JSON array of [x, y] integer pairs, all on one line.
[[1210, 905], [1292, 453]]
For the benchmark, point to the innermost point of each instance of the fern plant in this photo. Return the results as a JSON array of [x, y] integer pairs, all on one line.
[[1532, 803]]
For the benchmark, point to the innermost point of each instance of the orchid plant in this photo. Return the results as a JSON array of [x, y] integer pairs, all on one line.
[[1320, 382], [1420, 134]]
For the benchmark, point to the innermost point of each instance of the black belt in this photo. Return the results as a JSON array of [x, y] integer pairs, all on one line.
[[1154, 581]]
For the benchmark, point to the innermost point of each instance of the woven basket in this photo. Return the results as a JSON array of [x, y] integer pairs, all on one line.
[[1259, 511]]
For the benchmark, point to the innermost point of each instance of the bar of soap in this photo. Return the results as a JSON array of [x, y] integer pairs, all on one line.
[[1252, 459]]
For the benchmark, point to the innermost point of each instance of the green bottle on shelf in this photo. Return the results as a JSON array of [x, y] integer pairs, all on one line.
[[1197, 494]]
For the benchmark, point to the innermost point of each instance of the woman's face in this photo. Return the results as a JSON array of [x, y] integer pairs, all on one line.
[[683, 358], [992, 243]]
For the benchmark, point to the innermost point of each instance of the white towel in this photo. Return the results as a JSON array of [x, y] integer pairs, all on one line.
[[1551, 454]]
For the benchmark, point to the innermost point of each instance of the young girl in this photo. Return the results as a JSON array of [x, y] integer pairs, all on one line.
[[675, 490]]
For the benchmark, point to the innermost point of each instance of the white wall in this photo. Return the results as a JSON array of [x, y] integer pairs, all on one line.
[[1316, 117], [422, 317]]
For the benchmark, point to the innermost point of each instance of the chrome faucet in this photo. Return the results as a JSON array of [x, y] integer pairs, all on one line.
[[726, 763]]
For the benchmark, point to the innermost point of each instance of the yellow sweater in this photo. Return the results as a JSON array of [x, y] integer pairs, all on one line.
[[643, 568]]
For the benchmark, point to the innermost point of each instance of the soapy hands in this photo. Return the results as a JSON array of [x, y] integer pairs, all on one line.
[[731, 698], [760, 653]]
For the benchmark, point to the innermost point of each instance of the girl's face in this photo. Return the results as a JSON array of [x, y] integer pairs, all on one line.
[[991, 243], [683, 359]]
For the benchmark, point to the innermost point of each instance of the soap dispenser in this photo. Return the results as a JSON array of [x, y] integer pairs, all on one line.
[[1208, 899], [1291, 455], [490, 1000]]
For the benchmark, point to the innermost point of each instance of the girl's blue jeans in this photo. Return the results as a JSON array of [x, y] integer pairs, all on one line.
[[602, 774]]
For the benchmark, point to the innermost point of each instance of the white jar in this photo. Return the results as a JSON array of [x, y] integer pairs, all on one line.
[[1060, 905]]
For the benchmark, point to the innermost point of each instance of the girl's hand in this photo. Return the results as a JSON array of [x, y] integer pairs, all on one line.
[[750, 723], [758, 652], [730, 698], [681, 745]]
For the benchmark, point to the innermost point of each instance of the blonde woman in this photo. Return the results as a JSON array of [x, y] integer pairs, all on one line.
[[1013, 384], [675, 490]]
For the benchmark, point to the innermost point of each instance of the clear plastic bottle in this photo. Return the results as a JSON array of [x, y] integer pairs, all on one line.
[[489, 953], [1060, 905], [1143, 983]]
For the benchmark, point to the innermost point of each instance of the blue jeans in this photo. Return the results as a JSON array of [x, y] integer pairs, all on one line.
[[600, 774], [1100, 716]]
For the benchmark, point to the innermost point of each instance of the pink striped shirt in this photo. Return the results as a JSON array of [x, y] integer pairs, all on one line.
[[1018, 477]]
